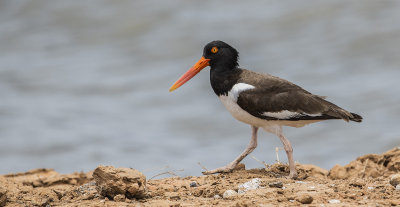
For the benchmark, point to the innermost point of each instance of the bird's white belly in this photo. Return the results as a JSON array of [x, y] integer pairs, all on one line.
[[239, 113]]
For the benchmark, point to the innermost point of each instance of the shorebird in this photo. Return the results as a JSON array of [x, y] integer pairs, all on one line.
[[261, 100]]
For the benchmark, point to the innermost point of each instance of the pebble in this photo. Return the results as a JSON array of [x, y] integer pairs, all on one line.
[[229, 193], [174, 197], [305, 199], [370, 188], [119, 198], [394, 203], [398, 187], [277, 184], [251, 185], [395, 179], [334, 201], [357, 183], [217, 196], [193, 184], [301, 182]]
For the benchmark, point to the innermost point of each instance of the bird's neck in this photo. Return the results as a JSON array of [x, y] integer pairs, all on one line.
[[224, 64], [223, 78]]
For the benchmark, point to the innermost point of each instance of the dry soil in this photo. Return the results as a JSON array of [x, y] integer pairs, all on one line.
[[370, 180]]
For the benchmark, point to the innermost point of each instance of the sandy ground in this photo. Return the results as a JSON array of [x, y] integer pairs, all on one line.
[[370, 180]]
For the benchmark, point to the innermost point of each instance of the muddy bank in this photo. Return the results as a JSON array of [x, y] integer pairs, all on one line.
[[369, 180]]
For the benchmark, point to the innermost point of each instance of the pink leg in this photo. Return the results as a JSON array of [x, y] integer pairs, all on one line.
[[276, 129], [289, 152], [229, 167]]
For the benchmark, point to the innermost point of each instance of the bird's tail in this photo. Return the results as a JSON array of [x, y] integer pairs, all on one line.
[[356, 117], [336, 111], [345, 115]]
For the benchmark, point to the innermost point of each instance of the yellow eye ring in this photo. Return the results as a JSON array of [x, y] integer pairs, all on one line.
[[214, 49]]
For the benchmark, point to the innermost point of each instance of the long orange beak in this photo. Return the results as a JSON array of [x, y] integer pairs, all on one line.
[[202, 63]]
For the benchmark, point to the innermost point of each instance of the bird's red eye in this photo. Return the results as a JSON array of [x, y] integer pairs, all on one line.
[[214, 49]]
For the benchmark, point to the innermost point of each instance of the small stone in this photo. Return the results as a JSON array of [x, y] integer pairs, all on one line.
[[370, 188], [119, 198], [334, 201], [280, 199], [229, 193], [217, 196], [251, 185], [357, 183], [398, 187], [39, 201], [395, 179], [352, 196], [277, 184], [193, 184], [86, 192], [394, 203], [301, 182], [304, 199], [175, 197]]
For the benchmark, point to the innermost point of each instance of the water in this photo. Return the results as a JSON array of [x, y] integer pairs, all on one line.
[[86, 83]]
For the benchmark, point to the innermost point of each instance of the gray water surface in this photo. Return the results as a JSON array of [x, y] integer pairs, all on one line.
[[86, 83]]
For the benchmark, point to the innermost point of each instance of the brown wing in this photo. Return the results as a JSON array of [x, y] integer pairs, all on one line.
[[272, 94]]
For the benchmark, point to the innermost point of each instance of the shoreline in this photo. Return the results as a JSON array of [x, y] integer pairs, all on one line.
[[372, 179]]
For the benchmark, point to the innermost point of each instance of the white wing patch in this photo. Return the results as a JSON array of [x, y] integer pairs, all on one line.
[[285, 114], [238, 88]]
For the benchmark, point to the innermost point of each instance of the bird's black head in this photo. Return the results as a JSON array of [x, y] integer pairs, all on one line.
[[221, 55], [218, 55]]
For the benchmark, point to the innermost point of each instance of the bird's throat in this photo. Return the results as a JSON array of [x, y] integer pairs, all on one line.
[[222, 79]]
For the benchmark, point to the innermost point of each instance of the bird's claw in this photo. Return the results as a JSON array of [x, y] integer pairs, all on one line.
[[225, 169]]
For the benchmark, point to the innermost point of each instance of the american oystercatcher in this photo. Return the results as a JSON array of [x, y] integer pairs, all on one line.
[[261, 100]]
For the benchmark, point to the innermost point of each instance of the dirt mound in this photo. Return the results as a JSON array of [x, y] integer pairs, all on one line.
[[368, 180], [40, 187], [371, 165]]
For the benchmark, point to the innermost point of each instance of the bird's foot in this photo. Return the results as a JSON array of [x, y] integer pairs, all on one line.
[[292, 175], [225, 169]]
